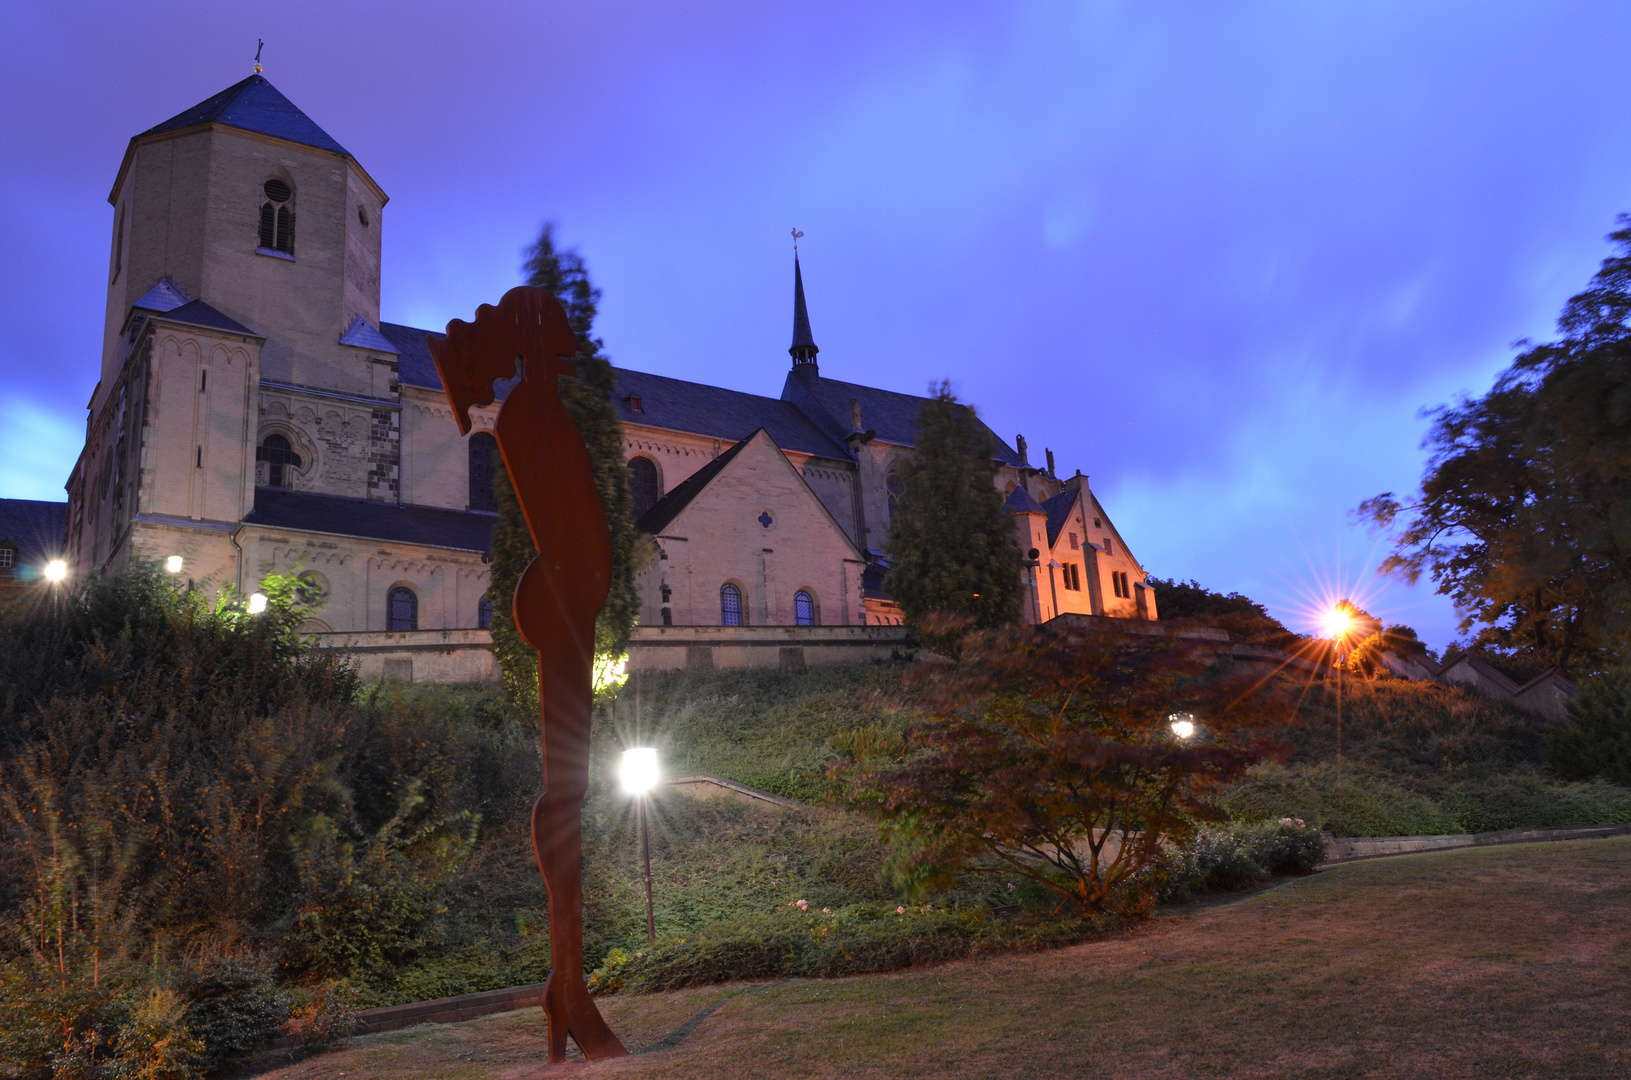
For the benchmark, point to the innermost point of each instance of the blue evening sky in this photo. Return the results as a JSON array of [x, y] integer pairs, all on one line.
[[1216, 255]]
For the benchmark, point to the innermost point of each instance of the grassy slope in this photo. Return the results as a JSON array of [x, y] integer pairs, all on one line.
[[1482, 962]]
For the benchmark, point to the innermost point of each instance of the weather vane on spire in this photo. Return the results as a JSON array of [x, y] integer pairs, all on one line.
[[259, 45], [796, 235]]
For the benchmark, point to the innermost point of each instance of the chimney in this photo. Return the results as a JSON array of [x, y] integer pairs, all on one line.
[[1019, 444], [1050, 461]]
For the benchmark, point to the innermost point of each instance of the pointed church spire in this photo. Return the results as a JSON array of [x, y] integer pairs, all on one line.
[[804, 349]]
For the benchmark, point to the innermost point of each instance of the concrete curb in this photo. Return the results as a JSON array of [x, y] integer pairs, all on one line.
[[1378, 847], [449, 1009]]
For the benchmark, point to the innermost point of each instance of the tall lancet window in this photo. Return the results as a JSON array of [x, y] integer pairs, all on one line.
[[277, 216], [647, 487], [483, 460], [730, 605]]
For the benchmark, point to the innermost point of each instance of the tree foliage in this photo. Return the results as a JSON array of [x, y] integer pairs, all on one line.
[[1050, 754], [1524, 512], [953, 563], [1242, 617], [589, 398]]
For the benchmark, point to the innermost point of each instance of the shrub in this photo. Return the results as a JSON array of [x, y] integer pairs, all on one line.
[[1528, 799], [814, 943], [1048, 756], [1597, 742], [1371, 805], [235, 1007], [1237, 857]]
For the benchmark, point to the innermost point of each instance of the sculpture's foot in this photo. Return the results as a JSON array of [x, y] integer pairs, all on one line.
[[571, 1011]]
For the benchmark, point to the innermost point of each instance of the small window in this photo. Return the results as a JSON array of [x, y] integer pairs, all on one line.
[[1075, 545], [277, 216], [362, 215], [645, 483], [1107, 545], [730, 605], [401, 609], [1097, 524], [280, 458], [635, 404], [484, 613], [483, 460], [803, 609], [8, 558], [204, 380]]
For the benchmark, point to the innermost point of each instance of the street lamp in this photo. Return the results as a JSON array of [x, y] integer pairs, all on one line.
[[257, 603], [173, 564], [1183, 724], [56, 571], [639, 776]]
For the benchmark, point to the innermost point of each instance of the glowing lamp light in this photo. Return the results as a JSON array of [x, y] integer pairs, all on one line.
[[56, 571], [257, 603], [1183, 725], [173, 564], [1337, 623], [639, 771]]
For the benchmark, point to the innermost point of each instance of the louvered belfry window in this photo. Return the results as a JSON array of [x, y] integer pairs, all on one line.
[[277, 216]]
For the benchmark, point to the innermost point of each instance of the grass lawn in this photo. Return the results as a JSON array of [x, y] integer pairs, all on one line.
[[1503, 962]]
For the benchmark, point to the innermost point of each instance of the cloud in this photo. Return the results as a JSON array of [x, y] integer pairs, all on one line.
[[34, 444]]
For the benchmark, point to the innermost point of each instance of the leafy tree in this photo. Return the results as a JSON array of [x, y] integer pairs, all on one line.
[[1244, 618], [589, 398], [953, 563], [1597, 742], [1049, 754], [1524, 512]]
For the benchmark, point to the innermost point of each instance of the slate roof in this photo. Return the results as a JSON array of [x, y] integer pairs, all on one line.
[[890, 416], [679, 405], [198, 313], [253, 105], [363, 336], [801, 315], [1021, 502], [667, 508], [165, 296], [424, 525], [37, 528], [1058, 509]]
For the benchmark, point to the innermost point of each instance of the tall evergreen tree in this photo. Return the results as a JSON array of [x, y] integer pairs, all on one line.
[[588, 398], [953, 560]]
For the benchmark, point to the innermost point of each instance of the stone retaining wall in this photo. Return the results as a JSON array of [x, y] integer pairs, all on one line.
[[1375, 847]]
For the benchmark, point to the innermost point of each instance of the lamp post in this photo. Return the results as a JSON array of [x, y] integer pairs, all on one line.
[[1183, 725], [56, 571], [639, 776], [1338, 623]]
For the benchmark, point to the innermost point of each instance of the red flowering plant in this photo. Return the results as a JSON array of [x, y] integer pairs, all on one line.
[[1054, 754]]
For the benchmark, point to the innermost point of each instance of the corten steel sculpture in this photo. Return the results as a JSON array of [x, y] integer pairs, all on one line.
[[556, 601]]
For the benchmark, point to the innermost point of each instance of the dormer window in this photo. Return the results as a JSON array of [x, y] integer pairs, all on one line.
[[277, 216], [635, 405], [8, 558]]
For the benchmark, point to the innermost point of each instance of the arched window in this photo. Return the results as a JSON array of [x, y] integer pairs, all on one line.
[[277, 216], [647, 488], [484, 613], [483, 460], [891, 484], [401, 609], [280, 460], [804, 613], [730, 605]]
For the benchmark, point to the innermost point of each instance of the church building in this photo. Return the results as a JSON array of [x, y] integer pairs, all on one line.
[[254, 414]]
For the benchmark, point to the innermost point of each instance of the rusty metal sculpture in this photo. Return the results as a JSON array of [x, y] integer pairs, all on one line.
[[556, 601]]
